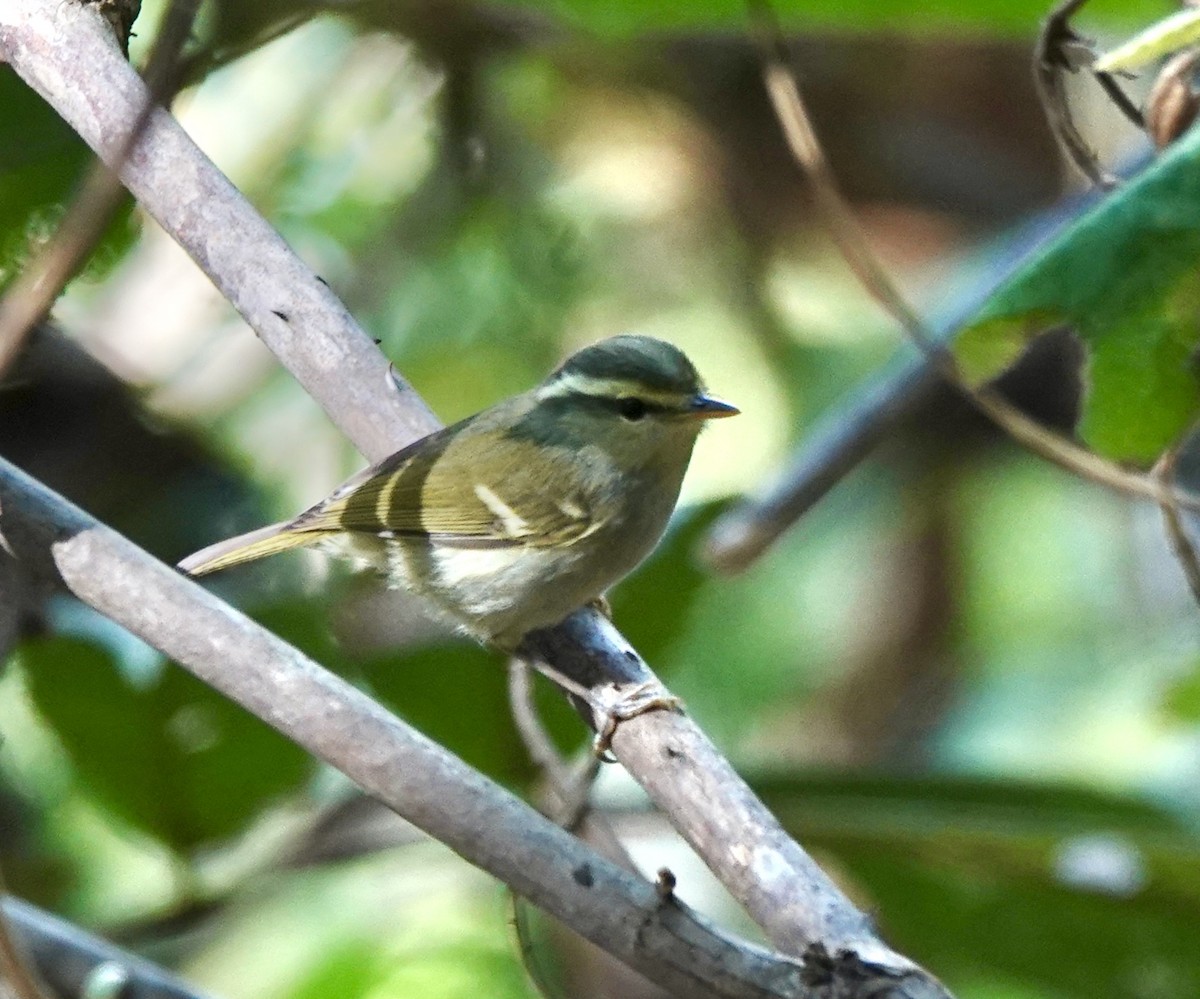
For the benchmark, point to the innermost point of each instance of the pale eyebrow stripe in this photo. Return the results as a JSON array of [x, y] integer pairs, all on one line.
[[573, 383]]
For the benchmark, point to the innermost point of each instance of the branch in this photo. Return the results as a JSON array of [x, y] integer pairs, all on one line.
[[1177, 535], [60, 51], [70, 959], [414, 776], [847, 434], [65, 53], [832, 450]]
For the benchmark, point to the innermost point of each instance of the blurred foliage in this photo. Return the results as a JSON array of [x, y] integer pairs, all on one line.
[[999, 878], [623, 18], [41, 162], [170, 756], [975, 682]]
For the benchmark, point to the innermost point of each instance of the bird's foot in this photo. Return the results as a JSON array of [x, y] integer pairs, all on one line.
[[613, 704]]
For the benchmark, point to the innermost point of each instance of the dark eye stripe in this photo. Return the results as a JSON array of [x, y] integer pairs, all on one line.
[[617, 404]]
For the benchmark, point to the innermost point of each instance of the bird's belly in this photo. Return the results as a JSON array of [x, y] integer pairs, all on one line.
[[499, 594]]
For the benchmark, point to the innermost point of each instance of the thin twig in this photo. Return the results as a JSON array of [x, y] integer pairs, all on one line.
[[1059, 51], [855, 248], [538, 743], [1181, 543], [844, 435], [1117, 95], [42, 280], [569, 788], [568, 792], [545, 757]]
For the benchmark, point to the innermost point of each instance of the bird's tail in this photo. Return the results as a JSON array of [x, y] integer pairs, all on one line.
[[248, 547]]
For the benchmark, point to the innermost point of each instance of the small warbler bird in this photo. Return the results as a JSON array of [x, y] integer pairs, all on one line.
[[516, 517]]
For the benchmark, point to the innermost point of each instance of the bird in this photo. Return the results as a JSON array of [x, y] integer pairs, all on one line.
[[512, 519]]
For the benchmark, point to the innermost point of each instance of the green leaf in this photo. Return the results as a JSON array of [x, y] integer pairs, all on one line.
[[346, 970], [174, 758], [456, 970], [101, 721], [227, 765], [1126, 278]]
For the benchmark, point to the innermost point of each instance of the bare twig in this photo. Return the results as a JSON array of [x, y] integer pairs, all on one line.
[[797, 127], [70, 959], [537, 740], [568, 788], [566, 796], [1181, 543], [41, 281], [1060, 50], [299, 319], [389, 760]]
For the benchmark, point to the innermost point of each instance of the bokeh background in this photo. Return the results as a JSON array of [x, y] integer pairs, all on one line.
[[967, 680]]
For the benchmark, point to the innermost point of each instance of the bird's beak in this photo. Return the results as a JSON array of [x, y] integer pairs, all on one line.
[[705, 408]]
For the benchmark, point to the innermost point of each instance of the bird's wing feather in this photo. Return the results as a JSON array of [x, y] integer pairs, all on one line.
[[428, 490]]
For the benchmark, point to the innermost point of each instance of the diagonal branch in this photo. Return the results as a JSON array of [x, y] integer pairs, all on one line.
[[831, 450], [73, 961], [388, 759], [59, 49], [1177, 535]]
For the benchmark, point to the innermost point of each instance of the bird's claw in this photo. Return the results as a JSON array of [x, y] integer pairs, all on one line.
[[612, 705]]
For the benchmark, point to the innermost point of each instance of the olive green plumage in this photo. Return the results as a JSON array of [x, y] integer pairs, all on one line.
[[513, 518]]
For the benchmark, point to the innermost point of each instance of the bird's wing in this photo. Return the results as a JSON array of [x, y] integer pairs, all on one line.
[[428, 490]]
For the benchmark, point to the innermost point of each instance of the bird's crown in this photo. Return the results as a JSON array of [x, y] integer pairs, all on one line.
[[623, 368]]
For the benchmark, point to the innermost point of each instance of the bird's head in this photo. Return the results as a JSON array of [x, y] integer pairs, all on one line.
[[631, 392]]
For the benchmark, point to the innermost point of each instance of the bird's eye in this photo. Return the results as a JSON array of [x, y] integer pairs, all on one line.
[[631, 408]]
